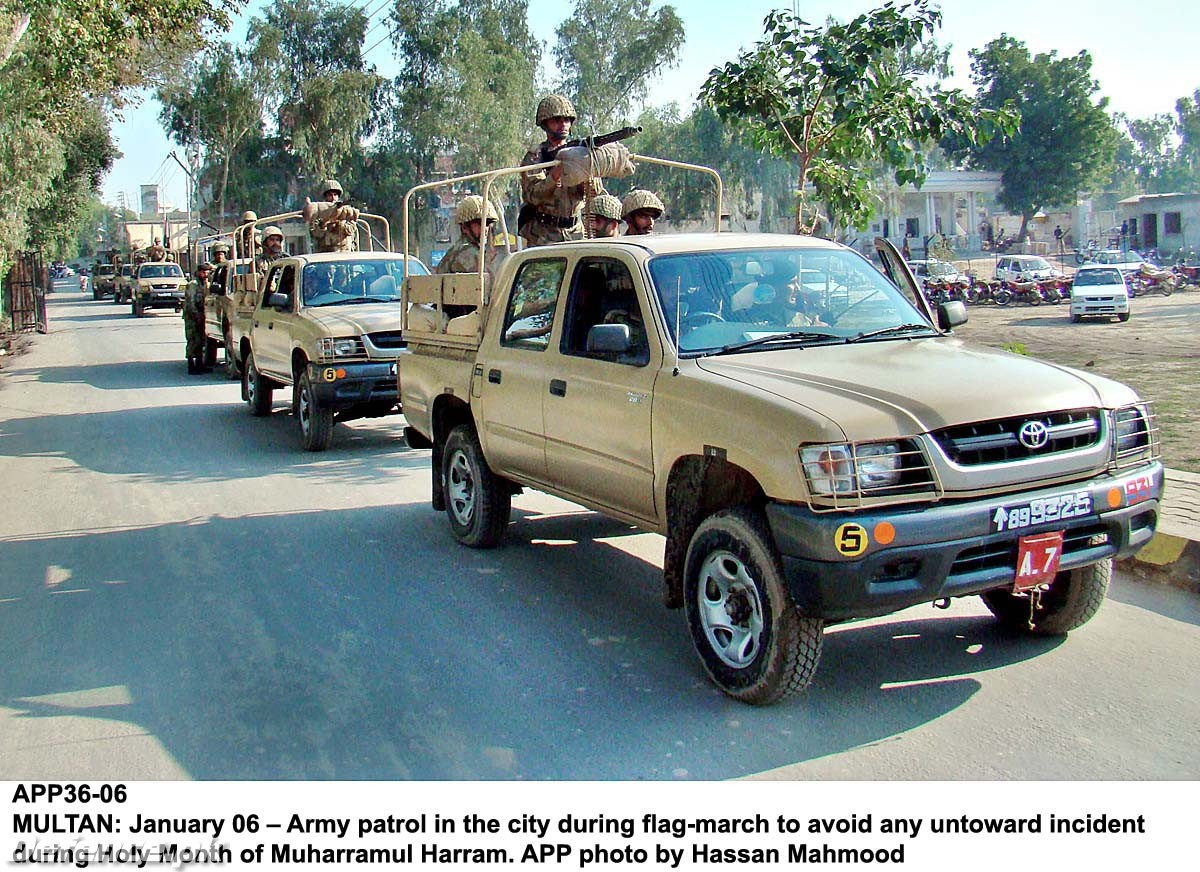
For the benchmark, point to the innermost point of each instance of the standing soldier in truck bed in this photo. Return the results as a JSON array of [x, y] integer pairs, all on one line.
[[551, 210], [331, 224]]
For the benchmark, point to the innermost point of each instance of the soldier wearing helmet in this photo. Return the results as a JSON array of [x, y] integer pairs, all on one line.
[[604, 216], [272, 243], [157, 251], [463, 256], [640, 209], [331, 223], [551, 211], [193, 319], [219, 251]]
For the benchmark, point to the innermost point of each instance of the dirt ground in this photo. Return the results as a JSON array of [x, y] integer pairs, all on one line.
[[1156, 352]]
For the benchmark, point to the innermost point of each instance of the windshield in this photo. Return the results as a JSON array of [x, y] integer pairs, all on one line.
[[105, 271], [363, 281], [1098, 277], [160, 271], [730, 297], [938, 269], [1028, 264]]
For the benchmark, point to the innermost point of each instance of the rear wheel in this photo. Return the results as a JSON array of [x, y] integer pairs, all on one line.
[[754, 643], [1075, 319], [315, 420], [1002, 296], [478, 502], [1071, 600], [137, 309], [256, 389]]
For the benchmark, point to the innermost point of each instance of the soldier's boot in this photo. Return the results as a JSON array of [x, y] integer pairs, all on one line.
[[193, 369]]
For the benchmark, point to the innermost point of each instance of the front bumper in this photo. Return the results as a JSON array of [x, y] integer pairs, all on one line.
[[950, 548], [1099, 306], [160, 299], [342, 385]]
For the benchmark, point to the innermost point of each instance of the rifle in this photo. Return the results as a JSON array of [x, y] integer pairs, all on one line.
[[596, 141], [591, 141]]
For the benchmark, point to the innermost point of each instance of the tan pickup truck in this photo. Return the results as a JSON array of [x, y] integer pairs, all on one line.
[[157, 285], [328, 326], [814, 442]]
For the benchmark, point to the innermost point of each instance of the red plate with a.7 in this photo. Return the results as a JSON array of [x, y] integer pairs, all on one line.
[[1037, 559]]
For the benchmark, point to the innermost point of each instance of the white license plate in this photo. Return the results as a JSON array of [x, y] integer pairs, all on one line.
[[1042, 511]]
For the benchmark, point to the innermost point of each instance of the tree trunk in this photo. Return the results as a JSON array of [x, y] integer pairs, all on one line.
[[1024, 227]]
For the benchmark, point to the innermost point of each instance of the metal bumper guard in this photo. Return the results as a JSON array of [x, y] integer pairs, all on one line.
[[949, 549], [338, 385]]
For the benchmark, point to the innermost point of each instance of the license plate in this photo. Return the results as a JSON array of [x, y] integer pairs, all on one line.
[[1037, 559], [1042, 511]]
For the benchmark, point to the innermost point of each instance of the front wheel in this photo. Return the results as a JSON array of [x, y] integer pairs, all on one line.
[[315, 420], [137, 308], [1002, 297], [754, 643], [256, 389], [478, 502], [1071, 600]]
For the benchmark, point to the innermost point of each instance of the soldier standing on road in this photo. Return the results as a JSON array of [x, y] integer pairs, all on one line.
[[604, 217], [463, 256], [193, 319], [641, 209], [551, 211]]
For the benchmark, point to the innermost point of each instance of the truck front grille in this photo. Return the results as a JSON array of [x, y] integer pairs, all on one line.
[[387, 340], [1000, 440]]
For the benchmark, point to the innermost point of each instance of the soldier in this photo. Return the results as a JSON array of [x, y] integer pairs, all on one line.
[[551, 211], [330, 223], [272, 242], [220, 252], [193, 319], [157, 251], [640, 209], [604, 216], [463, 256]]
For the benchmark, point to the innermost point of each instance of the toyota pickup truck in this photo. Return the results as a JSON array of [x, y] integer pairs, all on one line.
[[157, 285], [328, 326], [806, 431]]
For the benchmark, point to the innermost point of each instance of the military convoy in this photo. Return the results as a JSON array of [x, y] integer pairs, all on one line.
[[808, 433], [157, 285]]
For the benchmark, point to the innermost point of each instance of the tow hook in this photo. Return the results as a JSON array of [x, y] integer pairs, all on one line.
[[942, 603]]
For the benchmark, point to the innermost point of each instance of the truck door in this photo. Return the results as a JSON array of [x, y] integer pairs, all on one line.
[[597, 403], [271, 334], [511, 375]]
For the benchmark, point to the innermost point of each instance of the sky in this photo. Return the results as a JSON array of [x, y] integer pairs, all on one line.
[[1143, 56]]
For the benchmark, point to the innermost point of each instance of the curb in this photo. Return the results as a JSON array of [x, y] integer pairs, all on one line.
[[1173, 555]]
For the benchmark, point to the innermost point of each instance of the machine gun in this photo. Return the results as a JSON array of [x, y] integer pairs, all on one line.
[[548, 154]]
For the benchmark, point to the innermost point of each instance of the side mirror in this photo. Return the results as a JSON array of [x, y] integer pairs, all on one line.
[[283, 301], [609, 338], [951, 314]]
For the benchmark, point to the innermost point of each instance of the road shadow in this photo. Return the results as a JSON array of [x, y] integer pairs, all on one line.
[[164, 440], [130, 375], [365, 644]]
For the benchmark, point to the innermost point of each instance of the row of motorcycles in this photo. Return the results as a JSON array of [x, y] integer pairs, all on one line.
[[974, 291]]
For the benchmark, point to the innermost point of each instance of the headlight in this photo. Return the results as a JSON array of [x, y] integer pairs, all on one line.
[[848, 468], [1135, 432], [333, 347]]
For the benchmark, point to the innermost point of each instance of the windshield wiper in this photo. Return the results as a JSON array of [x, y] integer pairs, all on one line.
[[789, 336], [886, 331], [346, 301]]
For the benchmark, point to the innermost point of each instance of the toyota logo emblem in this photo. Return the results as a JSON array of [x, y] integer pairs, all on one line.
[[1034, 435]]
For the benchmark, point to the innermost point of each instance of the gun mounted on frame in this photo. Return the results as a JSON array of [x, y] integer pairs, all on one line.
[[592, 141]]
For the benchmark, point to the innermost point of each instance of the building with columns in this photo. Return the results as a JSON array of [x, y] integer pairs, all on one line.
[[951, 202]]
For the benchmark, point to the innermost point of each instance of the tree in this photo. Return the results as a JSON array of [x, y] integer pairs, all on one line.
[[1065, 143], [839, 97], [217, 103], [609, 50]]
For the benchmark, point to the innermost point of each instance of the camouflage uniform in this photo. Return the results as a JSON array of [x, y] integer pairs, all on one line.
[[335, 230], [193, 320], [463, 256], [551, 209]]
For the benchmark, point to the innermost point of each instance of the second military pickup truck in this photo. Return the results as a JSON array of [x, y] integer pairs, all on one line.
[[328, 326], [813, 441]]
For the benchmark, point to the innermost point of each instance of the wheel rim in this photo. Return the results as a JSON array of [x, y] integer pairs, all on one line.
[[730, 609], [305, 409], [250, 391], [460, 487]]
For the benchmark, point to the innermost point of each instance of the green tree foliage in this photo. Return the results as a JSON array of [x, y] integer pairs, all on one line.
[[609, 51], [217, 103], [1066, 141], [837, 98], [63, 65]]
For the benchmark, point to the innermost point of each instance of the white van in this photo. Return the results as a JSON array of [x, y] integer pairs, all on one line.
[[1099, 291]]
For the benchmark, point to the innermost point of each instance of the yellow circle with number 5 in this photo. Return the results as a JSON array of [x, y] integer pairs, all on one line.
[[851, 540]]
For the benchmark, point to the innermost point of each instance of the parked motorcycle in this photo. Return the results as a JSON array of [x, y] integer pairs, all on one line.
[[1087, 253], [1055, 290], [1152, 279], [1028, 293]]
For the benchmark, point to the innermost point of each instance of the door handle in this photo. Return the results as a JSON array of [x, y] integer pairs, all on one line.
[[558, 387], [271, 326], [494, 376]]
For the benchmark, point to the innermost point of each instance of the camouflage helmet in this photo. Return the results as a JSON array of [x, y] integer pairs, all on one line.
[[554, 106], [639, 199], [606, 206], [249, 216], [330, 185], [204, 266], [218, 247], [268, 232], [471, 209]]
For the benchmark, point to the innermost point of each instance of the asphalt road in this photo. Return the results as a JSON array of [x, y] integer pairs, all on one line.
[[186, 594]]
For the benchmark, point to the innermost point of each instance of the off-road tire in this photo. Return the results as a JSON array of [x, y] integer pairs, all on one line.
[[754, 643], [478, 502], [1075, 319], [258, 391], [136, 309], [1072, 599], [314, 420]]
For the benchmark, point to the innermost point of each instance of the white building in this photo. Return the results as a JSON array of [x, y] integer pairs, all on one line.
[[1168, 222]]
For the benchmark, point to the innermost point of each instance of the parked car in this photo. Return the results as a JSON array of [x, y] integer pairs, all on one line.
[[1128, 262], [1025, 268], [936, 270], [1099, 291]]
